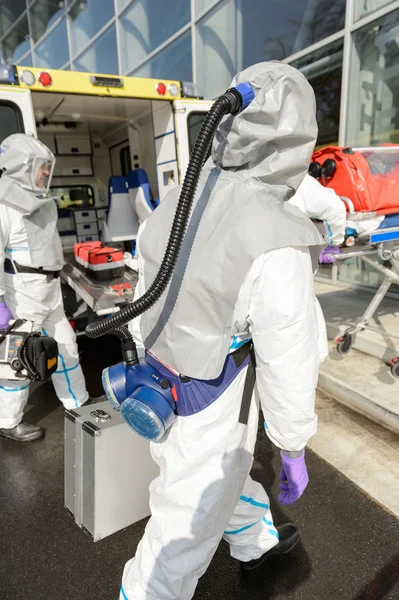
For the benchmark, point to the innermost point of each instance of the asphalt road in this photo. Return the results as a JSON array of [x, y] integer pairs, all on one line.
[[349, 548]]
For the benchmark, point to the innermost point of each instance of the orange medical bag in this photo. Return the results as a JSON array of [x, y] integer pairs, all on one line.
[[369, 177], [99, 261]]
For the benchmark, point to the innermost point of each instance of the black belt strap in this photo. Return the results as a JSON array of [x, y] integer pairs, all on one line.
[[10, 269], [248, 388]]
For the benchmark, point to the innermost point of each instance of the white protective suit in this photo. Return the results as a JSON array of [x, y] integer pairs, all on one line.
[[204, 491], [322, 203], [29, 237]]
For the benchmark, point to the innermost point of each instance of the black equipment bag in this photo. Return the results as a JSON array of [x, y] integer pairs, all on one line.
[[41, 356]]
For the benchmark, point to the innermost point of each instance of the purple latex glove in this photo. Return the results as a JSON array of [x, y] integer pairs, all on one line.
[[5, 316], [294, 476], [328, 254]]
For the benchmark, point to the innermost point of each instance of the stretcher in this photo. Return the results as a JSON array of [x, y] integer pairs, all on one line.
[[102, 297], [367, 181], [378, 249]]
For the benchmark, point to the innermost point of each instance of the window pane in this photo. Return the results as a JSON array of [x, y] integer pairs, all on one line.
[[374, 83], [366, 7], [275, 29], [122, 3], [201, 5], [102, 56], [148, 23], [10, 10], [53, 52], [87, 19], [10, 120], [174, 62], [323, 69], [43, 14], [17, 42], [26, 61], [236, 34], [218, 47], [77, 196]]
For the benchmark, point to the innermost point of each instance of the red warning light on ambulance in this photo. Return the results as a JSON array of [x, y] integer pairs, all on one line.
[[161, 89], [45, 79]]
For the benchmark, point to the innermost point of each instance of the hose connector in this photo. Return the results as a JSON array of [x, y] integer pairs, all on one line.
[[246, 92], [239, 97], [129, 353]]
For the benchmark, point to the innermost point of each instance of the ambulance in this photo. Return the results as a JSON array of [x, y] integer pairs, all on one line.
[[120, 143]]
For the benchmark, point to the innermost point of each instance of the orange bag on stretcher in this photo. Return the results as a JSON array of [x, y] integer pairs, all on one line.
[[369, 177]]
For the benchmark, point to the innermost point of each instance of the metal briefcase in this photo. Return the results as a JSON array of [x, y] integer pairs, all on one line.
[[108, 470]]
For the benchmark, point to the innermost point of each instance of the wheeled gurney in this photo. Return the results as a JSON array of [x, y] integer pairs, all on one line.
[[380, 250], [367, 180]]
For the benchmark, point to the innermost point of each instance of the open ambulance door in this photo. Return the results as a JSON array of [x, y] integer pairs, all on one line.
[[16, 112], [176, 126]]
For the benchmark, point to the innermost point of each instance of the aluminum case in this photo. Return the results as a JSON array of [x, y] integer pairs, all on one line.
[[108, 470]]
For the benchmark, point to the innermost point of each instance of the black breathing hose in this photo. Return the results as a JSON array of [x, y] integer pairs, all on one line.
[[230, 102]]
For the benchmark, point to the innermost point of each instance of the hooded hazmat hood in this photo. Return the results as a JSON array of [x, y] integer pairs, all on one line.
[[259, 158], [272, 140], [20, 159]]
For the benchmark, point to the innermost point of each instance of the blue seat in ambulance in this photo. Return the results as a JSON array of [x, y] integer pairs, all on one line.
[[122, 222], [140, 195]]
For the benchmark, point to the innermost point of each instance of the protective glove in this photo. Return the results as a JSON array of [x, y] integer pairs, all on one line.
[[328, 254], [294, 476], [5, 315]]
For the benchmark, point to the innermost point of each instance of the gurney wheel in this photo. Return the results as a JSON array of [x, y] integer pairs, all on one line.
[[395, 367], [344, 344]]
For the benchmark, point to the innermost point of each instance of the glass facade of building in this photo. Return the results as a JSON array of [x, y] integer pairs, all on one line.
[[348, 49]]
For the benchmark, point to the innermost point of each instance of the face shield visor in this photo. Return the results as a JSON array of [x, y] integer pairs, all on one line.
[[42, 172]]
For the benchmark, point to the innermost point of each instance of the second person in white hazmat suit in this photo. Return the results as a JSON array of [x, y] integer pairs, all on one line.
[[30, 262], [244, 273], [322, 204]]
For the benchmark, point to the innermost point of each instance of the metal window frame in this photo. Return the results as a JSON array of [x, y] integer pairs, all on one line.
[[46, 35], [21, 60], [349, 47], [206, 11], [335, 37], [48, 31], [193, 41], [346, 68], [118, 37], [347, 35], [21, 16], [13, 26]]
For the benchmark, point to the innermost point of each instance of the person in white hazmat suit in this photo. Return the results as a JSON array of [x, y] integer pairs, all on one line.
[[30, 261], [323, 204], [244, 273]]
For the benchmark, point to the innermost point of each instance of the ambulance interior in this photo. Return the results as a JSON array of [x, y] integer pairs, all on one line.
[[105, 152]]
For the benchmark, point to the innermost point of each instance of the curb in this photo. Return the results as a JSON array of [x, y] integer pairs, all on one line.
[[358, 402]]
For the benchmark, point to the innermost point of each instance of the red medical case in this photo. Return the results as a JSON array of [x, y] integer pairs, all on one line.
[[369, 177], [99, 261]]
